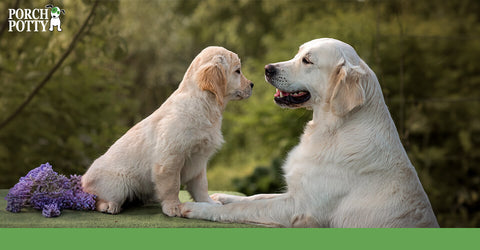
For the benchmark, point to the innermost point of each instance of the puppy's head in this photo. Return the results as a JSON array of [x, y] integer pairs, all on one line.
[[325, 73], [218, 71]]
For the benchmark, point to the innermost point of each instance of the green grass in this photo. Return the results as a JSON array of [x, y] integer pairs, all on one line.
[[146, 216]]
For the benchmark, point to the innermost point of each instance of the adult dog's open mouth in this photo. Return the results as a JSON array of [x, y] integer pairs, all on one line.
[[291, 98]]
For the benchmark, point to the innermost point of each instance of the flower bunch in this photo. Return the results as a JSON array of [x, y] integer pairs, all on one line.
[[44, 189]]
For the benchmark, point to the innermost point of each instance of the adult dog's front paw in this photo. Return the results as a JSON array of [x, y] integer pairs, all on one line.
[[214, 202], [225, 198], [198, 210], [186, 209]]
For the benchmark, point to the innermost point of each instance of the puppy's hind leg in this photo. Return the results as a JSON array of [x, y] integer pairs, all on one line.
[[107, 207], [109, 190]]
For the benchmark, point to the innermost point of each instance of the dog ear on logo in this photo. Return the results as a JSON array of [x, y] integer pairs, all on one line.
[[48, 6], [346, 88], [211, 77]]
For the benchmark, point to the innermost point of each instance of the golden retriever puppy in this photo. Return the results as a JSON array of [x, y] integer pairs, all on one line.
[[172, 146], [350, 168]]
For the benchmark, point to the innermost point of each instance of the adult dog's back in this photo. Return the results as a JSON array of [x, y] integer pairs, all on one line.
[[350, 168]]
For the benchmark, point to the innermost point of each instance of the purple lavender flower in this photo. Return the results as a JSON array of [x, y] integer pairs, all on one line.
[[44, 189], [18, 196], [83, 201], [51, 210]]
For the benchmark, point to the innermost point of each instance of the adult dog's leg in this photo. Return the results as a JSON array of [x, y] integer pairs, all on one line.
[[228, 198], [275, 212]]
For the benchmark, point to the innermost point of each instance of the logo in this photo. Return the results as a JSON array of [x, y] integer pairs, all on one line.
[[36, 20]]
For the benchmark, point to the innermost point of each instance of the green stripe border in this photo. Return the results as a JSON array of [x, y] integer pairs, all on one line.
[[221, 238]]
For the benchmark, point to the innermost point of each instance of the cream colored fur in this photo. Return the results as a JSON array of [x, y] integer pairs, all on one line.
[[350, 168], [171, 146]]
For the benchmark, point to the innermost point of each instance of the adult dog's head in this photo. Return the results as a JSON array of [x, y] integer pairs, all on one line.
[[325, 73], [218, 71]]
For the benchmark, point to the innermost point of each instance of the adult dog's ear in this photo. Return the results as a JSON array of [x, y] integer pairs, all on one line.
[[346, 90], [212, 77]]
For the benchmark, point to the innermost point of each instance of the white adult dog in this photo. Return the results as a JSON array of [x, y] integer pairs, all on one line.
[[171, 146], [350, 168]]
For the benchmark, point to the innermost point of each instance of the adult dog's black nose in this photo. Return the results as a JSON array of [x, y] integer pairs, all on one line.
[[251, 85], [270, 70]]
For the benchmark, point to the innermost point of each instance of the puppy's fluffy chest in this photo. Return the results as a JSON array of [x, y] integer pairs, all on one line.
[[189, 128], [208, 143]]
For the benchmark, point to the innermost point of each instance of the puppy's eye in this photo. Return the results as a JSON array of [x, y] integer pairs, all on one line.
[[237, 71], [306, 61]]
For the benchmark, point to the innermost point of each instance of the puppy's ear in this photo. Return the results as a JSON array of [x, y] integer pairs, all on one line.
[[211, 77], [346, 90]]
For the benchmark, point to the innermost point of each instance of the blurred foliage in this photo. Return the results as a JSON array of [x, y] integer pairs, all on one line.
[[135, 53], [264, 179]]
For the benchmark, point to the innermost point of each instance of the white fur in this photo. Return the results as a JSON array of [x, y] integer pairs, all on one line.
[[350, 168], [171, 146], [55, 20]]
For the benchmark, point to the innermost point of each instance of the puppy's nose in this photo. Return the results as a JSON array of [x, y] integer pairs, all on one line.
[[270, 70], [251, 85]]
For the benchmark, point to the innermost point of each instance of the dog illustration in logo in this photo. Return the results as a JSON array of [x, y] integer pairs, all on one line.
[[55, 20]]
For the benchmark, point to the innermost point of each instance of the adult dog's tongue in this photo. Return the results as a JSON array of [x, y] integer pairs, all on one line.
[[291, 99], [280, 93]]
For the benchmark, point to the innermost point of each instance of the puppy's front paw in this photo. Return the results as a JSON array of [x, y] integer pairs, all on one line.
[[171, 208]]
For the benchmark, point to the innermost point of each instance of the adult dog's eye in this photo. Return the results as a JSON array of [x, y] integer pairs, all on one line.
[[306, 61], [237, 71]]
